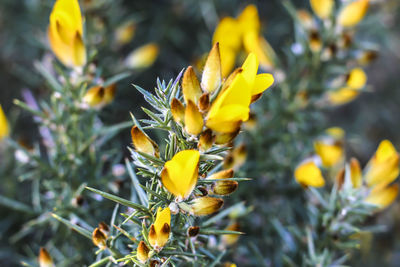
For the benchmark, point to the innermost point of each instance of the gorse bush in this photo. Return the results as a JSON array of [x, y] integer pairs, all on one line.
[[216, 174]]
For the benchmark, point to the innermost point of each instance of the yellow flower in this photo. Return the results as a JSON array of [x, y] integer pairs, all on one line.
[[45, 259], [180, 174], [143, 143], [335, 132], [322, 8], [383, 196], [224, 187], [308, 174], [236, 158], [159, 231], [232, 105], [353, 13], [177, 110], [255, 43], [383, 168], [65, 33], [249, 19], [4, 127], [142, 57], [330, 154]]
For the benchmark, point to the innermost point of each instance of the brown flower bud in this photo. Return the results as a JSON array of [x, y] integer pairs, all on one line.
[[99, 239], [206, 205], [178, 111], [143, 143], [142, 252], [193, 231], [45, 259]]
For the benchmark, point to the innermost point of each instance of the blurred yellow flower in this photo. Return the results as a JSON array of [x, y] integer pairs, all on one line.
[[356, 80], [308, 174], [4, 126], [353, 13], [356, 174], [330, 153], [383, 168], [180, 174], [382, 196], [124, 33], [322, 8], [211, 78], [232, 105], [99, 96], [230, 240], [233, 34], [65, 33], [142, 57], [159, 231]]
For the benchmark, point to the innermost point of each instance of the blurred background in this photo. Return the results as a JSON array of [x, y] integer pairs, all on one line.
[[183, 31]]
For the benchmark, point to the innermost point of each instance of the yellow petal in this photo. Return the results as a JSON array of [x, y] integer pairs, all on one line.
[[163, 217], [211, 78], [357, 79], [193, 119], [308, 174], [383, 197], [254, 43], [228, 33], [4, 127], [356, 175], [330, 154], [342, 96], [262, 82], [385, 151], [180, 174], [190, 86], [125, 32], [353, 13], [142, 57], [322, 8], [383, 167], [249, 19], [228, 59], [79, 50]]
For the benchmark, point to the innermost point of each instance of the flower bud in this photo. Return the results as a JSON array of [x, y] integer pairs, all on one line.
[[190, 86], [211, 78], [206, 205], [178, 111], [104, 228], [159, 231], [99, 239], [193, 231], [109, 93], [225, 138], [224, 187], [125, 32], [193, 119], [45, 259], [231, 239], [206, 140], [340, 178], [236, 158], [356, 175], [142, 57], [154, 263], [143, 143], [222, 174], [142, 252], [315, 41]]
